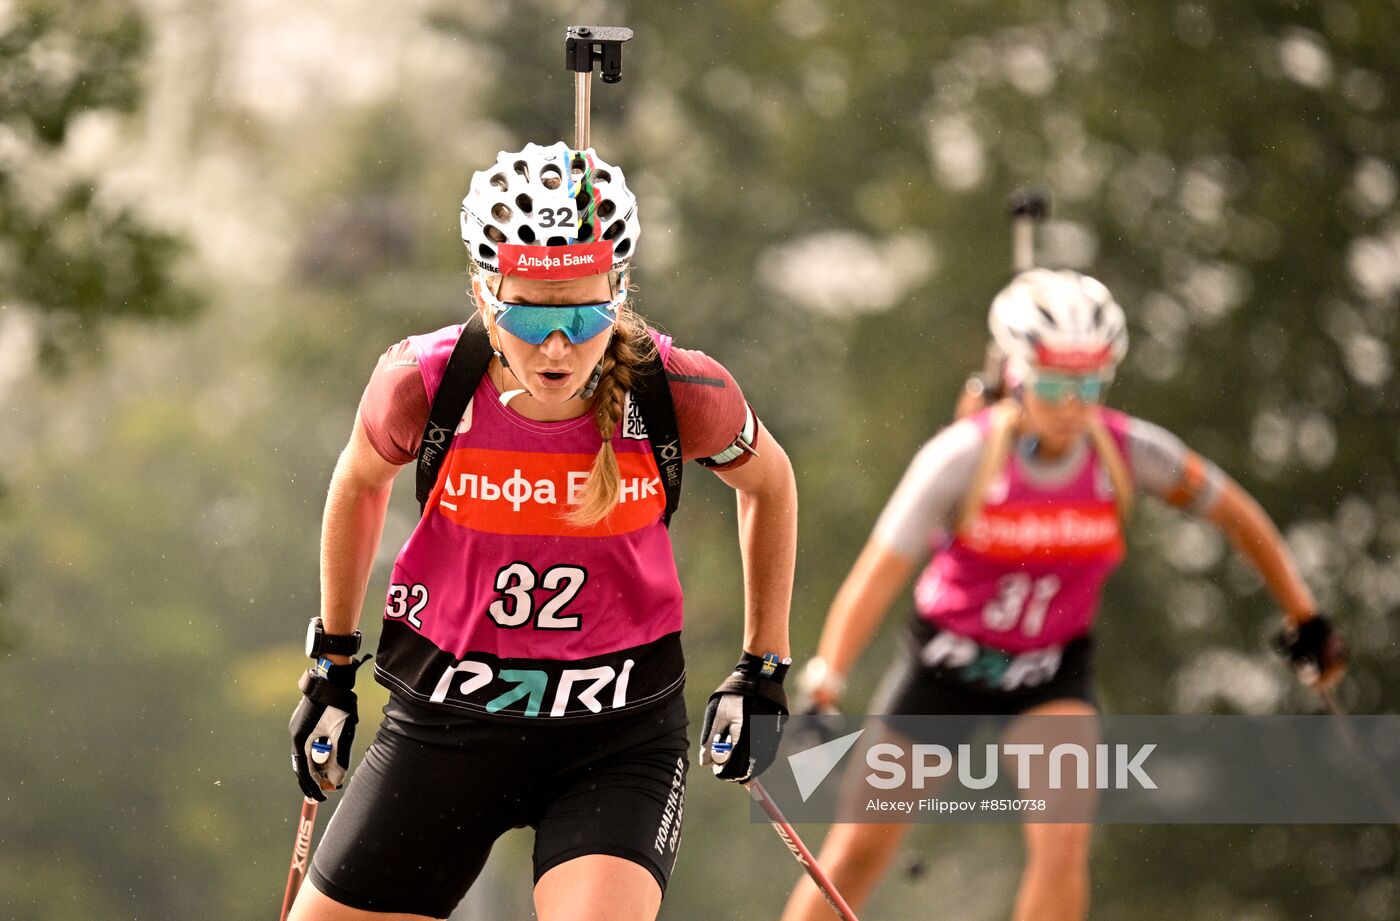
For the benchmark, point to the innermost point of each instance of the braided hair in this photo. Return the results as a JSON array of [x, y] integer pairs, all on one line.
[[630, 347]]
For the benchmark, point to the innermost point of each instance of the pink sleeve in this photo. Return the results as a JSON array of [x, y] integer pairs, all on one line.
[[710, 407], [394, 407]]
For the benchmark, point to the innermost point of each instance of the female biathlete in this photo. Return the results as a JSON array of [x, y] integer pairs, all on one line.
[[531, 637], [1023, 505]]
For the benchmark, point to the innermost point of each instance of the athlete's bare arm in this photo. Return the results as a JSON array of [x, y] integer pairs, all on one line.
[[1165, 467], [879, 574], [1253, 534], [917, 516], [767, 542], [350, 531]]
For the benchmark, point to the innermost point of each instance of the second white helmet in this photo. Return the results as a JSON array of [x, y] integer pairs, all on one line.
[[1059, 319], [549, 196]]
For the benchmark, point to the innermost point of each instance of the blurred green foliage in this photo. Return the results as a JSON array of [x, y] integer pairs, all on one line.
[[822, 189], [75, 257]]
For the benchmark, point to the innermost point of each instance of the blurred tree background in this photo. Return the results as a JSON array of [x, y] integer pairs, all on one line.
[[822, 188]]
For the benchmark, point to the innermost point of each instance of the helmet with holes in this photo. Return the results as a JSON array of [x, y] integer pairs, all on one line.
[[1059, 320], [549, 196]]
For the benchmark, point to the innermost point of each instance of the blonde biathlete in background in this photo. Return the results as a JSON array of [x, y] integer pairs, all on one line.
[[1023, 506]]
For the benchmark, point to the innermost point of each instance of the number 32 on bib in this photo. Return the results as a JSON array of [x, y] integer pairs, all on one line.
[[398, 604], [516, 607]]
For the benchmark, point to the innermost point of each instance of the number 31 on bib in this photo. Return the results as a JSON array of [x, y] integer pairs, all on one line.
[[1021, 599]]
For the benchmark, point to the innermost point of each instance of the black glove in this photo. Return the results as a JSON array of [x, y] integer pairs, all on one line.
[[754, 689], [1316, 649], [323, 726]]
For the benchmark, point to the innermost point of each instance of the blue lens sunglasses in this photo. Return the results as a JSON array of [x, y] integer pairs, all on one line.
[[1055, 388], [534, 323]]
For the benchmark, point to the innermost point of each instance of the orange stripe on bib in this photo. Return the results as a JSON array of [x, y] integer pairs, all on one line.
[[524, 492], [1066, 530]]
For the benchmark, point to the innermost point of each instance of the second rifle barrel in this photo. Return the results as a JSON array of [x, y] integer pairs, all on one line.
[[1022, 243]]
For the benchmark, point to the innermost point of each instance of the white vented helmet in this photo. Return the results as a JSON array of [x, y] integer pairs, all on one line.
[[1061, 320], [549, 196]]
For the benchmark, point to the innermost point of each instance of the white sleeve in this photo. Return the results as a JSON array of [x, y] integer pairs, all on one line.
[[925, 505], [1163, 466]]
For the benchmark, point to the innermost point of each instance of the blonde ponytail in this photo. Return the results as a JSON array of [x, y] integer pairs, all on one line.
[[631, 347]]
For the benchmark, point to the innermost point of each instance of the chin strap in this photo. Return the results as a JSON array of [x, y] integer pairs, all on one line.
[[509, 395], [586, 391]]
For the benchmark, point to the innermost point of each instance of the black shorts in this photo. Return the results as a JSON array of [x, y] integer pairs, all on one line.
[[914, 688], [428, 801]]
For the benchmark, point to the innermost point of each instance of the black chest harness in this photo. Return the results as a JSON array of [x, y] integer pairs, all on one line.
[[651, 396]]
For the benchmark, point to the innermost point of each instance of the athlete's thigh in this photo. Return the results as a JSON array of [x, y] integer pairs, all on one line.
[[620, 794], [416, 824], [314, 905], [1066, 732], [597, 887]]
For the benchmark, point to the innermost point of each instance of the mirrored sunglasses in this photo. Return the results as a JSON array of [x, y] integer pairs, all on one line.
[[534, 323], [1055, 388]]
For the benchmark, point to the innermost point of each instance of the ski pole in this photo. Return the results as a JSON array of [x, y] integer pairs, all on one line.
[[301, 854], [799, 850], [1364, 753], [584, 48]]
